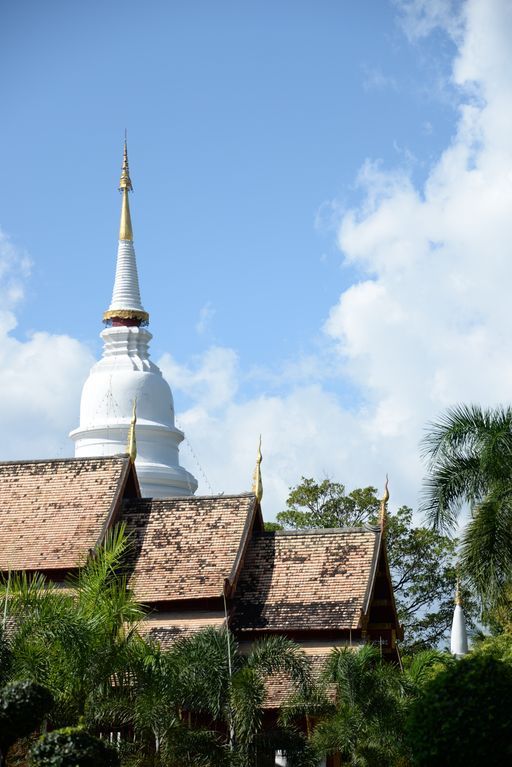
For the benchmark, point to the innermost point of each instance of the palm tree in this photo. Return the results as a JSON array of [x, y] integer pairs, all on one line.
[[201, 701], [469, 457], [365, 722], [76, 640], [227, 686]]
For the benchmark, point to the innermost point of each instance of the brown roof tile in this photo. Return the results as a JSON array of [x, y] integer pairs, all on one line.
[[167, 627], [186, 547], [305, 581], [52, 512], [279, 687]]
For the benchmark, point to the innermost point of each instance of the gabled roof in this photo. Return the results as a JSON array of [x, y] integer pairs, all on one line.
[[185, 548], [53, 512], [306, 581]]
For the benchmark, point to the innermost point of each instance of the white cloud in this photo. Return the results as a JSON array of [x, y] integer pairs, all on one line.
[[206, 315], [375, 79], [211, 379], [419, 18], [428, 325], [431, 325], [40, 377]]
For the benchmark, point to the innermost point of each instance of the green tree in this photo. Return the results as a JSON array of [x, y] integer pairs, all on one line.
[[74, 641], [468, 453], [366, 724], [201, 701], [72, 747], [23, 705], [421, 559], [326, 504], [463, 716]]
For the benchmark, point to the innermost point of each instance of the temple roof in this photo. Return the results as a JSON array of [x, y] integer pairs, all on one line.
[[306, 580], [186, 547], [53, 512]]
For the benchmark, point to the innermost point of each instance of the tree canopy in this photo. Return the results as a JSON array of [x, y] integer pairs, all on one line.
[[463, 716]]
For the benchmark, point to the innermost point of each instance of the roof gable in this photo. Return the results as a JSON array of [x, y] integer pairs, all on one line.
[[52, 512], [186, 548], [316, 580]]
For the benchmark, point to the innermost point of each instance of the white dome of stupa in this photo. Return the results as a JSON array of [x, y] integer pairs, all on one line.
[[124, 377]]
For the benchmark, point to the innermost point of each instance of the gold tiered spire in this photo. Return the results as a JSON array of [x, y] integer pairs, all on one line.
[[126, 307], [125, 186], [383, 514], [131, 447], [257, 484]]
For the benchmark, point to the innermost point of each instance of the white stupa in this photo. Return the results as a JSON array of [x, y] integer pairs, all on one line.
[[459, 636], [125, 375]]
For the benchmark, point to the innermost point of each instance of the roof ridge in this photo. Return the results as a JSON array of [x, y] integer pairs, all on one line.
[[191, 498], [70, 459], [324, 530]]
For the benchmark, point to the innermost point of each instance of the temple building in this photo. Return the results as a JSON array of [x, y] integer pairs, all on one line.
[[197, 561]]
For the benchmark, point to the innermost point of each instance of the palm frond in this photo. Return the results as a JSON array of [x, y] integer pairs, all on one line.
[[486, 547], [278, 654], [468, 451]]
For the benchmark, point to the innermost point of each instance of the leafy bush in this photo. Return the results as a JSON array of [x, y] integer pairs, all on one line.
[[23, 706], [72, 747], [463, 717]]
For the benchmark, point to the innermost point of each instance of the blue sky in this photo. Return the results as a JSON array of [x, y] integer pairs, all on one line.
[[267, 142], [245, 121]]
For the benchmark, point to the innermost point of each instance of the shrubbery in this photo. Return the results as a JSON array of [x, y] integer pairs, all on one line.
[[23, 706], [463, 717], [72, 747]]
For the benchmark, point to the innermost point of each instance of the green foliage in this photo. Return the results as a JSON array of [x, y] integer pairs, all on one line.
[[5, 658], [421, 560], [325, 504], [498, 647], [424, 577], [186, 708], [75, 641], [468, 456], [463, 717], [366, 725], [72, 747], [272, 527], [23, 705]]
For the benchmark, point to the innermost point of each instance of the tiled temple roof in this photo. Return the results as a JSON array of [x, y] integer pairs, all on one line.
[[314, 580], [53, 512], [185, 548]]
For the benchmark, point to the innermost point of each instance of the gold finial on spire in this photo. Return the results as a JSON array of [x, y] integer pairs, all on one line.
[[257, 484], [125, 186], [458, 595], [384, 506], [131, 447]]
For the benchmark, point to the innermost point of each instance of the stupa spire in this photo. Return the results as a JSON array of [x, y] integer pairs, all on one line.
[[126, 392], [459, 636], [126, 306], [125, 186]]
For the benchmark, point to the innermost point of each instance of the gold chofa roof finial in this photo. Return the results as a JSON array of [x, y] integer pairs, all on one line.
[[131, 447], [384, 506], [125, 186], [257, 484]]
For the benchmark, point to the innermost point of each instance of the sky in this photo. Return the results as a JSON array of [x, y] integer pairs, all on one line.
[[322, 217]]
